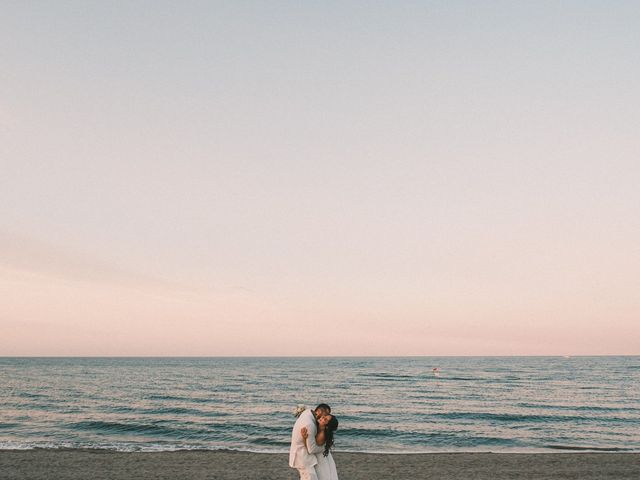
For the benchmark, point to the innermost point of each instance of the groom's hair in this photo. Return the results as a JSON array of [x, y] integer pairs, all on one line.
[[324, 406]]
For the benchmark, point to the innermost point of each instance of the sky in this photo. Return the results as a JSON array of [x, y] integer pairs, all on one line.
[[319, 178]]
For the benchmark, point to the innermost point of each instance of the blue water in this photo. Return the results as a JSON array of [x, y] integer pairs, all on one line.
[[396, 405]]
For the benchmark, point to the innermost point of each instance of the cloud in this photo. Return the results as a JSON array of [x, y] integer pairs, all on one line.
[[31, 256]]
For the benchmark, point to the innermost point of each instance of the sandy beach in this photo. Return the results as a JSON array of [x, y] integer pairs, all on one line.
[[228, 465]]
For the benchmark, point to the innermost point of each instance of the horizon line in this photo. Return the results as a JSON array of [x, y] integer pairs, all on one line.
[[325, 356]]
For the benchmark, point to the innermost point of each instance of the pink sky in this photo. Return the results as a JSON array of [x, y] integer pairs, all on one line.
[[398, 179]]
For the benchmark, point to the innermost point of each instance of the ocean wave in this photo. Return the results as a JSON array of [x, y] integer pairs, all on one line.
[[579, 408], [179, 411], [527, 418], [576, 448], [387, 376], [184, 399], [432, 439], [367, 432], [120, 427], [273, 441], [496, 445], [5, 426], [136, 447], [460, 379]]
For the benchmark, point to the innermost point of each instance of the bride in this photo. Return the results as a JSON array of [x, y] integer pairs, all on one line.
[[326, 467]]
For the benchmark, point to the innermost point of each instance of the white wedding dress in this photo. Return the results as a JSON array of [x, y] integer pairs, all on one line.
[[326, 467]]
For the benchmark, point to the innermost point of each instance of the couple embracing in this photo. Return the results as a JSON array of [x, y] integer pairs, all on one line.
[[311, 441]]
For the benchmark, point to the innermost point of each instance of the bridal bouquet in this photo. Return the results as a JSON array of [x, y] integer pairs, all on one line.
[[298, 410]]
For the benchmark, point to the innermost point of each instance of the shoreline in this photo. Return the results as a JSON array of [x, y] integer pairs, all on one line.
[[62, 464], [540, 451]]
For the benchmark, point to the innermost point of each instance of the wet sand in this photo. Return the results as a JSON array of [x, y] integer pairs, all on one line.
[[228, 465]]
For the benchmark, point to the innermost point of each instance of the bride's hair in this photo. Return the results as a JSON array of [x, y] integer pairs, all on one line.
[[329, 430]]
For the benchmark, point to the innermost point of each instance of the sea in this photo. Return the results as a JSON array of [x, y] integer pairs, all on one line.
[[384, 405]]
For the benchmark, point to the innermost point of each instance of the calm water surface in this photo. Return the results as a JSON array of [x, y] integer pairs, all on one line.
[[383, 404]]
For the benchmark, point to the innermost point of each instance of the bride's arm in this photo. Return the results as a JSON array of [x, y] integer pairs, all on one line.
[[320, 437]]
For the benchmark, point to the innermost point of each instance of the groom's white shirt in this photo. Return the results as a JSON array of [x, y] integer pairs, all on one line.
[[302, 454]]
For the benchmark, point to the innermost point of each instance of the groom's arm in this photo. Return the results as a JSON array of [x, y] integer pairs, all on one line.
[[310, 440]]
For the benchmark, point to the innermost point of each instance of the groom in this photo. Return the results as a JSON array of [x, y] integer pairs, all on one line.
[[302, 453]]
